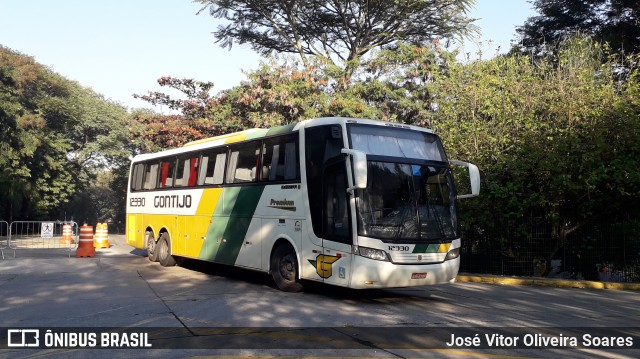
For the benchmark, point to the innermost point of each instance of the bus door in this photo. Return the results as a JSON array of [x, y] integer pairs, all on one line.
[[334, 264]]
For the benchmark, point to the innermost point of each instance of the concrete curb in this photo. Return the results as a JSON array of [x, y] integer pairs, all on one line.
[[547, 282]]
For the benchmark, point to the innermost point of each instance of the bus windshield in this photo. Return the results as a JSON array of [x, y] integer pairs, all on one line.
[[410, 195], [396, 142], [408, 203]]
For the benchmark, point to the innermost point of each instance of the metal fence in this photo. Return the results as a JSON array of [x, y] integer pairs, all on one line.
[[4, 237], [603, 251], [42, 235]]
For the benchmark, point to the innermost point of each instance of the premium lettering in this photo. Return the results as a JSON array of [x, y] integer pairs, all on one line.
[[283, 202]]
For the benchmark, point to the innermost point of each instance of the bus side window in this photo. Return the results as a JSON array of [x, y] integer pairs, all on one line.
[[150, 176], [336, 214], [167, 172], [180, 173], [186, 171], [193, 170], [269, 163], [212, 168], [243, 163], [322, 143], [291, 164], [138, 174], [280, 159]]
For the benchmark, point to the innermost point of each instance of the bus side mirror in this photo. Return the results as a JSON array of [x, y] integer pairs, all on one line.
[[359, 168], [474, 178]]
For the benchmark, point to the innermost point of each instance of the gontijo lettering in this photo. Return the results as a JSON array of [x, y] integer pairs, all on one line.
[[172, 201]]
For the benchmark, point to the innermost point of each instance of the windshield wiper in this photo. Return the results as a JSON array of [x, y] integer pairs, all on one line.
[[436, 216], [412, 207], [401, 224]]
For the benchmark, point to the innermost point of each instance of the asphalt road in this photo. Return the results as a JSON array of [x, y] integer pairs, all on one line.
[[206, 310]]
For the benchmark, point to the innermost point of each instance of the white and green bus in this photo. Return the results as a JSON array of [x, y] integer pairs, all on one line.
[[350, 202]]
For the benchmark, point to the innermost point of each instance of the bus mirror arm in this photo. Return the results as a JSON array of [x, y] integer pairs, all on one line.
[[359, 168], [474, 177]]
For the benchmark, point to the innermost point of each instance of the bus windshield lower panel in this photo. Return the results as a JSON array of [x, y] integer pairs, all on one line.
[[408, 203]]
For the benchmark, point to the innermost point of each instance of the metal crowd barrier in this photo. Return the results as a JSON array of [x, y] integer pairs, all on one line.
[[42, 235], [4, 237]]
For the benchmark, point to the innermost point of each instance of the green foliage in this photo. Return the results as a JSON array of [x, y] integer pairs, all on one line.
[[55, 135], [197, 93], [279, 94], [151, 131], [553, 140]]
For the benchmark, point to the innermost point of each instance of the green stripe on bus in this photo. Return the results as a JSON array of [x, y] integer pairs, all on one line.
[[230, 223], [257, 134], [426, 248], [281, 130], [215, 234]]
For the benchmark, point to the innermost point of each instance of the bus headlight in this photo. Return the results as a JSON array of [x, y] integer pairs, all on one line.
[[453, 254], [371, 253]]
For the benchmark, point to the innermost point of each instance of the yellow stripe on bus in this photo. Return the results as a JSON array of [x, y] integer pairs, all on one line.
[[208, 201], [444, 248], [225, 136], [236, 138], [198, 225]]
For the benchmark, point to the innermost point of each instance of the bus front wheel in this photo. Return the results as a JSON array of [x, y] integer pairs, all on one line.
[[284, 269]]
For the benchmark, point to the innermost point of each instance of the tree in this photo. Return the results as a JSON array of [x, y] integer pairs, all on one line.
[[34, 178], [612, 21], [339, 32], [554, 140], [55, 138], [197, 93], [152, 131]]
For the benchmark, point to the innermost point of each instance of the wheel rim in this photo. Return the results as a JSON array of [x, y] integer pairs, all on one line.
[[287, 267], [151, 246], [163, 252]]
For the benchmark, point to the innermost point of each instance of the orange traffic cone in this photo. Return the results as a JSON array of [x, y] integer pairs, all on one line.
[[101, 240], [67, 234], [85, 246]]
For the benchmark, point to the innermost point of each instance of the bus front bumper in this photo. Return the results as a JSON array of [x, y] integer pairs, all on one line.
[[369, 273]]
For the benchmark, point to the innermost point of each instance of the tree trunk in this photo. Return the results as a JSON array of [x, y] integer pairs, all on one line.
[[560, 234]]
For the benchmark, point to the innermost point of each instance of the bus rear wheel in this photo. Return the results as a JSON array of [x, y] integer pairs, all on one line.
[[164, 252], [284, 269], [152, 250]]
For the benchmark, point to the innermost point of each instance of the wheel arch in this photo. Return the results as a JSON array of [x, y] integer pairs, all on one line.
[[284, 240], [157, 234]]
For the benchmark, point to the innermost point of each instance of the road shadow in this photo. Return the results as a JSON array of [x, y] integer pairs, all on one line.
[[310, 287]]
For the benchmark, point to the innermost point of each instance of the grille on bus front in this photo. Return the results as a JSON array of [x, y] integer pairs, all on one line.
[[417, 258]]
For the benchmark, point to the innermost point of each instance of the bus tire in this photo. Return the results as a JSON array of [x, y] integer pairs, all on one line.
[[164, 252], [152, 250], [284, 269]]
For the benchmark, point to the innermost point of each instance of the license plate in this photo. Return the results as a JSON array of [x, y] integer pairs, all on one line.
[[418, 275]]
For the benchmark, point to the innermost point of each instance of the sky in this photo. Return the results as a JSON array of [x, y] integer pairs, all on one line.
[[121, 47]]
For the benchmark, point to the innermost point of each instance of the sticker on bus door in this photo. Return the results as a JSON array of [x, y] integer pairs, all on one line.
[[324, 265], [336, 265]]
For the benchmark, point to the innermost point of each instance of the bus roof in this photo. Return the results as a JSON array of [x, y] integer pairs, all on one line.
[[255, 133]]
